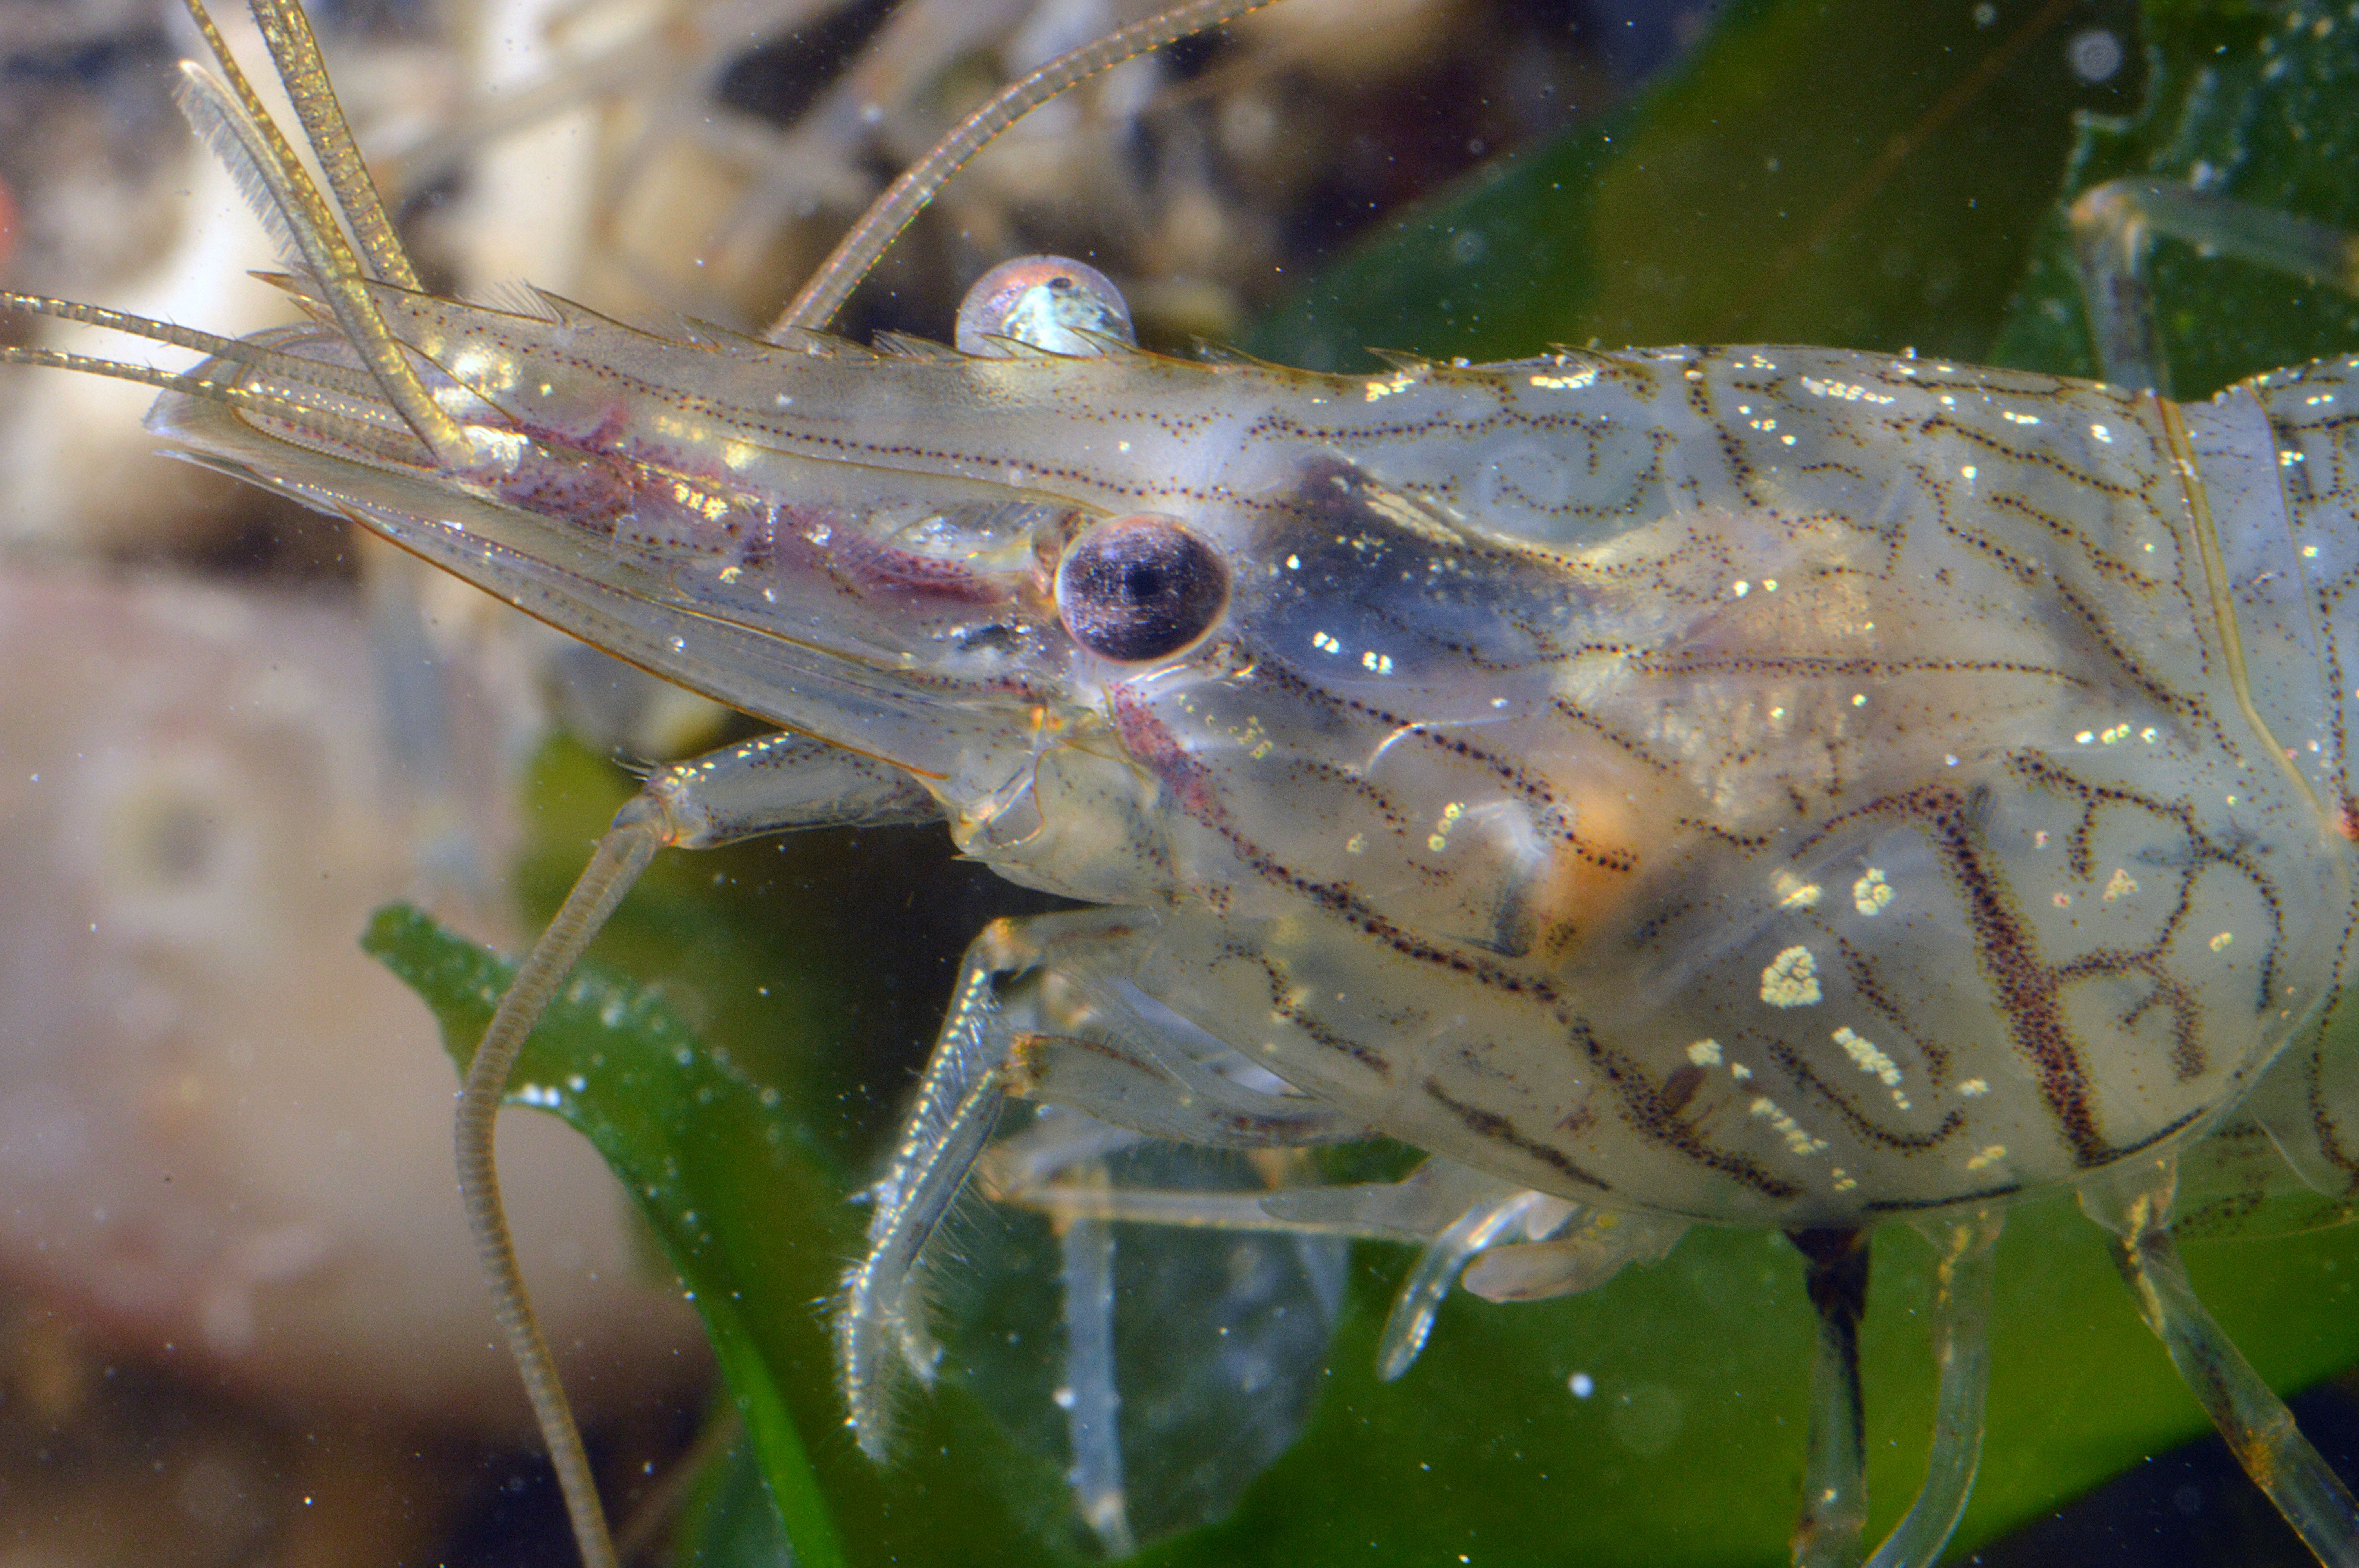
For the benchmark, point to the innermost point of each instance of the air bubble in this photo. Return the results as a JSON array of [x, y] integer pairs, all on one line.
[[1052, 304], [2094, 55]]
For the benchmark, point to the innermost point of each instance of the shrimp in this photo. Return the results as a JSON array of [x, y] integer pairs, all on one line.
[[1771, 788]]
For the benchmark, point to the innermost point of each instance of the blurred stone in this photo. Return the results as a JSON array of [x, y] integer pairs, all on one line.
[[225, 1134]]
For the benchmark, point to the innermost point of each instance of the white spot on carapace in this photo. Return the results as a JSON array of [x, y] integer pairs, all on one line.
[[1845, 1180], [1739, 1071], [1871, 894], [1357, 844], [1974, 1088], [1742, 588], [1382, 664], [1867, 1056], [1792, 979], [1989, 1154], [1704, 1053], [1859, 700], [2101, 434], [1793, 892], [2121, 886], [2086, 737], [1439, 840], [1843, 391], [2222, 940], [1798, 1139]]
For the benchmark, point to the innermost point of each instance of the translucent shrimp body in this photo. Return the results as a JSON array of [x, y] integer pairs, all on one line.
[[1782, 787]]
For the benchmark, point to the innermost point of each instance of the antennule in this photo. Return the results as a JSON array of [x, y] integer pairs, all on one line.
[[237, 350], [233, 117]]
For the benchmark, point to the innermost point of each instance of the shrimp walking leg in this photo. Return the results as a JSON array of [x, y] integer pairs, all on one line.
[[1961, 1306], [1086, 1246], [2113, 226], [769, 785], [1034, 998], [958, 1105], [1834, 1471], [2258, 1428]]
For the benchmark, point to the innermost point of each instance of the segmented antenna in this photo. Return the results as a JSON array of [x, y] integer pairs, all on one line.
[[258, 360], [232, 118], [868, 239]]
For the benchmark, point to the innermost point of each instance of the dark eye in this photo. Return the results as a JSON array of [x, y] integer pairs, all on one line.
[[1140, 588]]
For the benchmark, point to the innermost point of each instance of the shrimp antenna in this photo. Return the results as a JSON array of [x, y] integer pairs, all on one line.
[[868, 240], [231, 117], [235, 350], [233, 120]]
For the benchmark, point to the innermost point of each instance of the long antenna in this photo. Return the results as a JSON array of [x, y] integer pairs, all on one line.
[[235, 119], [868, 239], [296, 51]]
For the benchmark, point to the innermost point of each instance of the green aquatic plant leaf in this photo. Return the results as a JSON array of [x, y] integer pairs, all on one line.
[[1860, 173], [730, 1187], [2257, 101]]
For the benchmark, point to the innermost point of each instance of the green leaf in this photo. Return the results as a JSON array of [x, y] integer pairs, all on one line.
[[731, 1188], [1862, 173], [729, 1522]]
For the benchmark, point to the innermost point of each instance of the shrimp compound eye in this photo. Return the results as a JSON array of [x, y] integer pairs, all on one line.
[[1140, 588], [1050, 303]]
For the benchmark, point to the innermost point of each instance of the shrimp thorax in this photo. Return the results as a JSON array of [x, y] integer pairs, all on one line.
[[1598, 772], [1751, 838]]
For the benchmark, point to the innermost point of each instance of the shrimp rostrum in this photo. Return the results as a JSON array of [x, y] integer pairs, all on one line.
[[1776, 788]]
